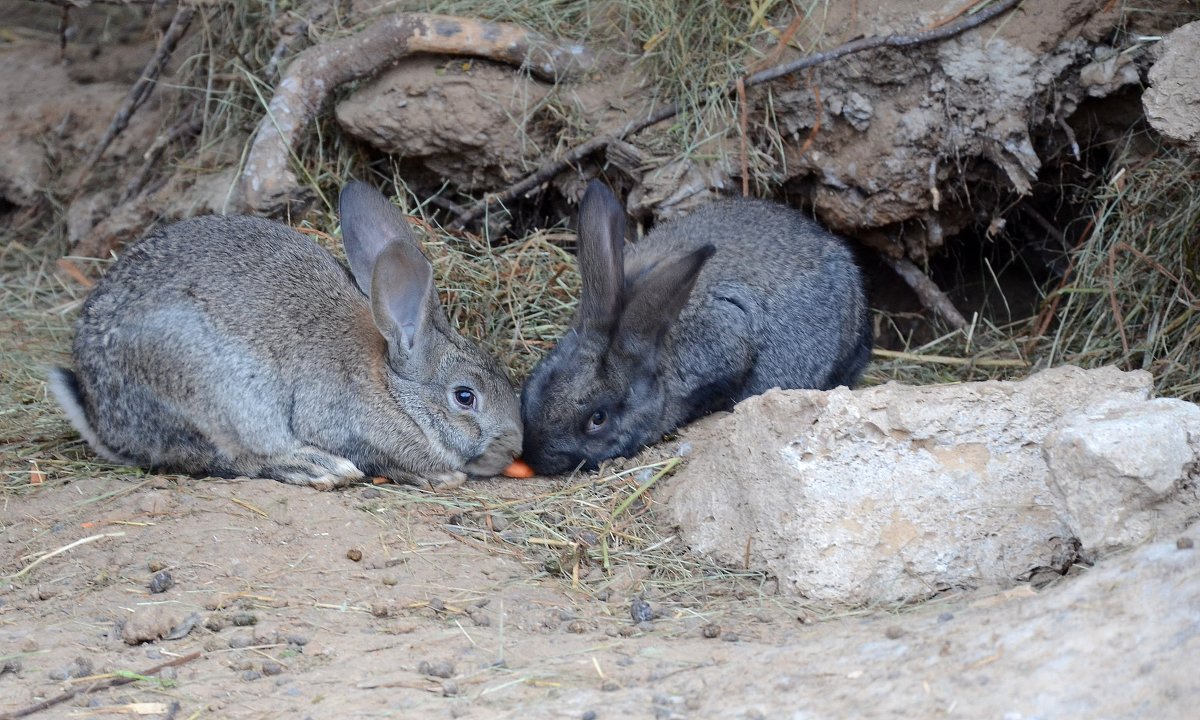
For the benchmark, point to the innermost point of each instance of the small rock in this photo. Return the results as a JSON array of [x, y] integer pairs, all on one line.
[[440, 669], [730, 637], [371, 493], [589, 715], [354, 554], [481, 620], [565, 614], [251, 675], [169, 673], [391, 581], [893, 632], [577, 627], [645, 626], [240, 641], [183, 627], [711, 630], [270, 667], [1184, 543], [161, 582], [449, 688], [297, 639], [77, 668], [214, 623], [244, 619], [640, 610], [380, 610], [945, 617], [437, 605], [150, 623], [609, 686], [156, 565]]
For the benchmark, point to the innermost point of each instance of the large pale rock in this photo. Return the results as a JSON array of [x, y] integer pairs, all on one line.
[[1172, 101], [890, 492], [1126, 469]]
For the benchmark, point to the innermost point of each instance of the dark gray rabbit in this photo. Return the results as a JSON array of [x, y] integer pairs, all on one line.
[[234, 346], [711, 308]]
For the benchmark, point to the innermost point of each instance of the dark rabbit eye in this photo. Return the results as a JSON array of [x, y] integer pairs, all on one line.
[[596, 421], [464, 396]]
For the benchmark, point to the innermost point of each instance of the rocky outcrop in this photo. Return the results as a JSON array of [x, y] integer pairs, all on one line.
[[1172, 101], [893, 493]]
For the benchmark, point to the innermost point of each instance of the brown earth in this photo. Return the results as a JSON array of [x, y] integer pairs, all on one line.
[[369, 603]]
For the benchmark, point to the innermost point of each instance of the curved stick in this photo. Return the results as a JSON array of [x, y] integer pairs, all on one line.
[[267, 182]]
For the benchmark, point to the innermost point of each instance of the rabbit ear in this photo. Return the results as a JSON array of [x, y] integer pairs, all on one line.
[[402, 296], [654, 300], [370, 223], [601, 254]]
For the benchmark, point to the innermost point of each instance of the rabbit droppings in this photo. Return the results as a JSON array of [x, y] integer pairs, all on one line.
[[235, 346], [711, 308]]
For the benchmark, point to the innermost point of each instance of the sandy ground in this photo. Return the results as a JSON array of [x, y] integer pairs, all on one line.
[[370, 602], [363, 603]]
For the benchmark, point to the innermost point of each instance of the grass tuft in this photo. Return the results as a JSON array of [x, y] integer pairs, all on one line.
[[1132, 295]]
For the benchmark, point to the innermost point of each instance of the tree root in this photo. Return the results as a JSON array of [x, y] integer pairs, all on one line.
[[930, 295], [267, 183], [550, 169]]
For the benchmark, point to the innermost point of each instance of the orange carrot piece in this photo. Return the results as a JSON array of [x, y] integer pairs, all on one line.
[[519, 469]]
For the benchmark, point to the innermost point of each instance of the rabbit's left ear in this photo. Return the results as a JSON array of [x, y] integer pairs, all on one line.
[[654, 299], [601, 255], [370, 223]]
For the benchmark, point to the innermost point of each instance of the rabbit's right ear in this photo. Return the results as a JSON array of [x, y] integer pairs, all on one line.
[[370, 223], [402, 296], [601, 255]]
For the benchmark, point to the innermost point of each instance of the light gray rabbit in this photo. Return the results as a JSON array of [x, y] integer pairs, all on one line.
[[711, 308], [234, 346]]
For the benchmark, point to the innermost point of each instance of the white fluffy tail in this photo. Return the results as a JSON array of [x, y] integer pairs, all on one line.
[[65, 386]]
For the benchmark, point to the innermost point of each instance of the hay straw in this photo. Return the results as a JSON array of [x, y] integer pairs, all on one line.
[[1132, 296]]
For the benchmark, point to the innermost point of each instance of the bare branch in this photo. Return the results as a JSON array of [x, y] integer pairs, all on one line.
[[267, 183], [550, 169], [140, 91], [927, 291]]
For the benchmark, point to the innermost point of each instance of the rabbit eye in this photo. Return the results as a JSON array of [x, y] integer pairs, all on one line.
[[596, 421], [464, 396]]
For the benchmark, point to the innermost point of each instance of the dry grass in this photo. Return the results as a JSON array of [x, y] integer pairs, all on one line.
[[516, 298], [1132, 297]]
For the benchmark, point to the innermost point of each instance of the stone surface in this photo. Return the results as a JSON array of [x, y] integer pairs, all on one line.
[[892, 492], [150, 623], [463, 120], [1125, 470], [1172, 102], [1116, 642]]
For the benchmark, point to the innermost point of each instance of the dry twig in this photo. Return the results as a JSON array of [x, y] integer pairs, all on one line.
[[550, 169], [140, 92], [267, 182], [110, 683], [930, 294]]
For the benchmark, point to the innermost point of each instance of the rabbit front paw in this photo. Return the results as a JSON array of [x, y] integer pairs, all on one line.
[[443, 481], [314, 467]]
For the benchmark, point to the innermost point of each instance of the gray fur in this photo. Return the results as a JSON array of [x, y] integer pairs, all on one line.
[[234, 346], [728, 302]]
